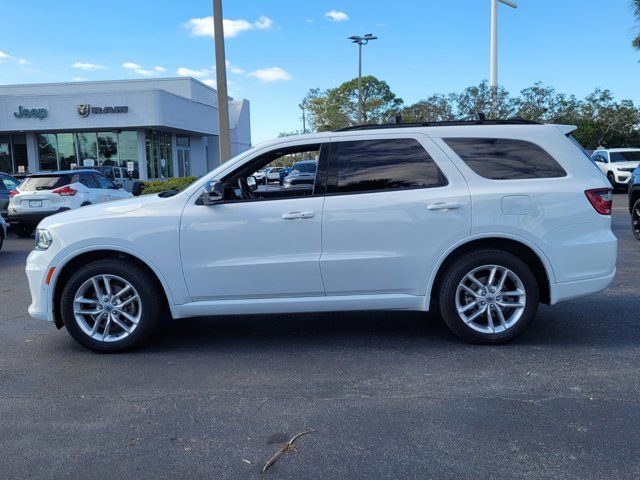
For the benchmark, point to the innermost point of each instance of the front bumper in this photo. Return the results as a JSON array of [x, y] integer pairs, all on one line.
[[30, 218], [36, 269]]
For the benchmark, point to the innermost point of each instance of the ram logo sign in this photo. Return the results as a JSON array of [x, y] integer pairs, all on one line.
[[84, 110]]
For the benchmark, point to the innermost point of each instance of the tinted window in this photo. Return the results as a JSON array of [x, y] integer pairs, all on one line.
[[45, 183], [8, 183], [88, 181], [103, 182], [369, 165], [504, 159], [630, 156], [309, 167]]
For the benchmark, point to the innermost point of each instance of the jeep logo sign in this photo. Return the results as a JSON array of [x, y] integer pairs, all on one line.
[[40, 113], [84, 110]]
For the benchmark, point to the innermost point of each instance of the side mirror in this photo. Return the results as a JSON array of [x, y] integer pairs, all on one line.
[[253, 184], [213, 192]]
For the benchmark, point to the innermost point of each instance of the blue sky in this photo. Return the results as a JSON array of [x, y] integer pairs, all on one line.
[[280, 49]]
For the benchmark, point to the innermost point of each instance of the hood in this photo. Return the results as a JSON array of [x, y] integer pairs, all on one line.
[[630, 164], [116, 207]]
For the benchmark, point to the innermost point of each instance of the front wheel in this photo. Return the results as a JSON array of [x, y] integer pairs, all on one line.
[[488, 296], [635, 219], [111, 305]]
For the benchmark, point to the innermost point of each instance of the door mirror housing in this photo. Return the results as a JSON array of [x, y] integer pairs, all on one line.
[[214, 192], [253, 184]]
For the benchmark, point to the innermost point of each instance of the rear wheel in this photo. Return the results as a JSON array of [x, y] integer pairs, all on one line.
[[111, 306], [22, 231], [635, 219], [488, 296]]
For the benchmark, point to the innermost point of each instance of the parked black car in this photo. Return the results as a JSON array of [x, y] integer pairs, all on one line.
[[634, 202], [7, 183]]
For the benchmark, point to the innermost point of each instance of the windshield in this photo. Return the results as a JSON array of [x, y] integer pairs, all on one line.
[[304, 168], [630, 156], [45, 183]]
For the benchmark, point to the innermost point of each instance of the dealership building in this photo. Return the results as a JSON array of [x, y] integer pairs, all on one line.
[[156, 128]]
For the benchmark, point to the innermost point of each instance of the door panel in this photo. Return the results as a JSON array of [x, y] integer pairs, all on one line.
[[389, 241], [253, 249]]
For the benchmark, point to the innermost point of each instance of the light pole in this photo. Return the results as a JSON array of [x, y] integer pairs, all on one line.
[[493, 68], [224, 132], [360, 41], [303, 106]]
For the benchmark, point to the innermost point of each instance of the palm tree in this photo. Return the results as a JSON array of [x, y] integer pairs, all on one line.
[[636, 8]]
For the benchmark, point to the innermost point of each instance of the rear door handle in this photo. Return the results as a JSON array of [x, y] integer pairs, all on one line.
[[444, 206], [297, 215]]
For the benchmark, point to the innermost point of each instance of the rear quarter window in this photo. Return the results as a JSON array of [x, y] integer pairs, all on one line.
[[505, 159]]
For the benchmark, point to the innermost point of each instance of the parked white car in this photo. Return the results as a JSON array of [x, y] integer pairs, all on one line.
[[271, 174], [617, 164], [479, 221], [43, 194]]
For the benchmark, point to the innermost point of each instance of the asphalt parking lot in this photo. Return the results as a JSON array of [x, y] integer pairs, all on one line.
[[389, 395]]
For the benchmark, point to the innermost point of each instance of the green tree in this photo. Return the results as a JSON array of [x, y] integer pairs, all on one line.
[[436, 108], [338, 107], [481, 98]]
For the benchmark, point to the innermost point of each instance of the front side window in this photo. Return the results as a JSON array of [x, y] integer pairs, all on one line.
[[388, 164], [104, 182], [87, 180], [505, 159], [629, 156]]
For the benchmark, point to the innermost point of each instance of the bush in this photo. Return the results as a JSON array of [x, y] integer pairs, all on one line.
[[158, 186]]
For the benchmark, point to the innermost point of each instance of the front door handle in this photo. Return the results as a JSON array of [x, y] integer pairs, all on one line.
[[444, 206], [297, 215]]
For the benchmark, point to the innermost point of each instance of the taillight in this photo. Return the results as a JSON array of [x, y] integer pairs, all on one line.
[[13, 193], [65, 191], [601, 199]]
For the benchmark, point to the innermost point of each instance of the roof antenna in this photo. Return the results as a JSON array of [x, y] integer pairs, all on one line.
[[395, 120]]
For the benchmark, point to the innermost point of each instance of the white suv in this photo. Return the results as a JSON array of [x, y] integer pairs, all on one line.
[[44, 194], [479, 221], [617, 164]]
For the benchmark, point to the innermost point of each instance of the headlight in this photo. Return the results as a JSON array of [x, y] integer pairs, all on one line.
[[43, 239]]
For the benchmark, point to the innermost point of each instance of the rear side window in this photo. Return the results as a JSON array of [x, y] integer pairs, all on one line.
[[45, 183], [373, 165], [505, 159]]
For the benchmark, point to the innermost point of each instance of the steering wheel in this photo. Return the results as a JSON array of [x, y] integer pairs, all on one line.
[[247, 193]]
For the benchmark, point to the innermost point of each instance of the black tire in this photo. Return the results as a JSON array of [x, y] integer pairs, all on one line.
[[84, 204], [635, 219], [22, 231], [1, 240], [446, 295], [612, 181], [153, 305]]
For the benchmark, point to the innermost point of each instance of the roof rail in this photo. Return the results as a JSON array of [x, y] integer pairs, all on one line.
[[448, 123]]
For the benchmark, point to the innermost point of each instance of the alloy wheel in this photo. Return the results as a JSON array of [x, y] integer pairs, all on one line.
[[107, 308], [490, 299], [635, 220]]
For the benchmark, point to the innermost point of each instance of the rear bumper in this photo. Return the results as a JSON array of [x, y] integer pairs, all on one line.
[[561, 292], [22, 217]]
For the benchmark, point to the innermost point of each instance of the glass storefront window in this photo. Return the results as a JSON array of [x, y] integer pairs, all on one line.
[[108, 148], [66, 151], [20, 159], [87, 149], [128, 149], [159, 155], [48, 151], [5, 154]]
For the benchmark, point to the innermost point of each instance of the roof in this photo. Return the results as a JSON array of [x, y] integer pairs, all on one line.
[[620, 149], [452, 123], [62, 172]]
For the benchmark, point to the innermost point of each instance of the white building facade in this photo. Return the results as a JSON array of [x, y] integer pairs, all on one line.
[[156, 128]]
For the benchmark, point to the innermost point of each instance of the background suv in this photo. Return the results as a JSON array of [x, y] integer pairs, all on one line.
[[478, 221], [7, 183], [44, 194], [617, 164]]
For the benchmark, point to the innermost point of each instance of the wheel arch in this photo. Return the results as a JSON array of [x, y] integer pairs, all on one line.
[[529, 254], [71, 264], [634, 197]]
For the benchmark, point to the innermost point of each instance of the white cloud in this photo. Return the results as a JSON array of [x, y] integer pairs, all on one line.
[[203, 27], [234, 69], [88, 66], [80, 79], [4, 55], [272, 74], [336, 16], [23, 61], [20, 61], [188, 72], [159, 69], [138, 69], [209, 81]]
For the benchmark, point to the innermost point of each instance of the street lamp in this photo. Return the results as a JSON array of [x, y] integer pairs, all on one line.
[[360, 41], [493, 68], [224, 132]]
